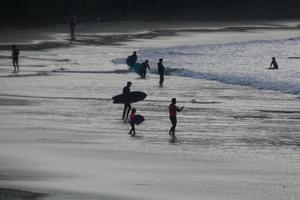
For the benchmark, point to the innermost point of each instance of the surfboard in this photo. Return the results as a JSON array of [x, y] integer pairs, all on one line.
[[134, 97], [137, 68], [139, 119]]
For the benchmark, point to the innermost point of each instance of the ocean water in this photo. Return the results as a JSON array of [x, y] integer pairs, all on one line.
[[237, 138]]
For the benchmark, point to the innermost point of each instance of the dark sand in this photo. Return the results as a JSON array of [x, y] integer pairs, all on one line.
[[11, 194]]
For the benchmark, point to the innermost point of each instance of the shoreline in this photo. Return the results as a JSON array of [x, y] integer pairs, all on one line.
[[63, 132], [57, 35]]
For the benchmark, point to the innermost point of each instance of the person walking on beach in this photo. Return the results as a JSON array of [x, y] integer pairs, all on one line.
[[144, 67], [173, 115], [15, 58], [126, 95], [161, 71], [274, 63], [73, 23], [132, 121], [131, 60]]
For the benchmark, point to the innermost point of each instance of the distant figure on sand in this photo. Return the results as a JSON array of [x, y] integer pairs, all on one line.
[[73, 23], [173, 115], [131, 60], [274, 63], [15, 58], [161, 71], [132, 121], [144, 67], [126, 95]]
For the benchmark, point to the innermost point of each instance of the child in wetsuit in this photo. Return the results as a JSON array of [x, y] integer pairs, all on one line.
[[132, 119]]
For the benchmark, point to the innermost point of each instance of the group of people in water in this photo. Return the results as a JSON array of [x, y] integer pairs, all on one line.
[[173, 109], [131, 60]]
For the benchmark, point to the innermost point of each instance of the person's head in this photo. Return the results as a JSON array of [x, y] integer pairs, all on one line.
[[161, 60], [133, 110], [273, 58], [173, 100], [129, 83], [13, 46], [146, 61], [134, 53]]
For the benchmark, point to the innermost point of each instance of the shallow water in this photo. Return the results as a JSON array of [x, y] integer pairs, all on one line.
[[61, 134]]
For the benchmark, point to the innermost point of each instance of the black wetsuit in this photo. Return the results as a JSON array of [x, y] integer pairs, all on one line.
[[15, 59], [161, 72], [275, 65], [131, 60], [127, 106], [144, 69]]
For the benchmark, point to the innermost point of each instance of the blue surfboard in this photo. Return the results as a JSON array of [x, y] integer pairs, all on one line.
[[139, 119], [137, 68]]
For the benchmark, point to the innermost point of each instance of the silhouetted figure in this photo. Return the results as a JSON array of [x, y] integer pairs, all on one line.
[[173, 118], [126, 95], [144, 67], [161, 71], [15, 58], [132, 119], [73, 23], [131, 60], [274, 63]]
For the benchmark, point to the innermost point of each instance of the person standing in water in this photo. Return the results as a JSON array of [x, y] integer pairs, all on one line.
[[144, 67], [274, 63], [131, 60], [161, 72], [73, 23], [126, 95], [173, 115], [15, 58], [132, 119]]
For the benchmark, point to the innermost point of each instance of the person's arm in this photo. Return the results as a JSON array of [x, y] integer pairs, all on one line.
[[179, 109]]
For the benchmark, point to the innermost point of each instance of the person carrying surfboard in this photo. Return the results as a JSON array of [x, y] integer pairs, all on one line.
[[131, 59], [274, 63], [132, 122], [144, 67], [173, 118], [126, 95], [161, 71]]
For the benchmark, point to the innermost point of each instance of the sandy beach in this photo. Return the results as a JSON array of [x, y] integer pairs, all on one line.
[[63, 138]]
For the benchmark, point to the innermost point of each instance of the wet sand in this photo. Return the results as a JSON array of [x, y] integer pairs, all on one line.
[[11, 194], [61, 135]]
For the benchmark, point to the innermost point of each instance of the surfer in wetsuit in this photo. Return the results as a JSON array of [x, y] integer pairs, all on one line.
[[131, 60], [274, 63], [15, 58], [144, 67], [132, 119], [126, 95], [173, 118], [161, 72]]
